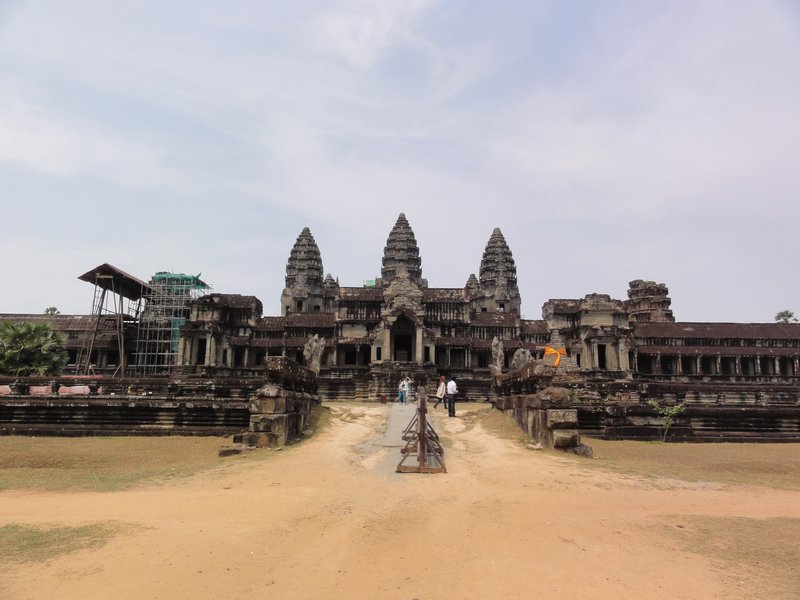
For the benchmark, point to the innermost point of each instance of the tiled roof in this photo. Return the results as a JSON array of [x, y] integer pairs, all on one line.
[[363, 294], [443, 295], [318, 320], [717, 350], [271, 324], [531, 326], [718, 330], [58, 322]]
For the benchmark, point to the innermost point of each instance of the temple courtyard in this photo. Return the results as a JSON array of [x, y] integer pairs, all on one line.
[[134, 518]]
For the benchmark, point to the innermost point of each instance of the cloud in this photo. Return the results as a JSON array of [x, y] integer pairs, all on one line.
[[362, 33], [643, 141]]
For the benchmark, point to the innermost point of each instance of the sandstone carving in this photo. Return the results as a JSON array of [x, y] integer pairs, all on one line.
[[312, 353]]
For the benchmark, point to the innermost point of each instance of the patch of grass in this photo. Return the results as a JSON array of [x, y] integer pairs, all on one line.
[[759, 557], [101, 464], [500, 424], [38, 543], [319, 418], [770, 465]]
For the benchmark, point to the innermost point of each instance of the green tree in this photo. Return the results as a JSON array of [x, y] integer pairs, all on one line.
[[785, 316], [668, 415], [52, 310], [31, 349]]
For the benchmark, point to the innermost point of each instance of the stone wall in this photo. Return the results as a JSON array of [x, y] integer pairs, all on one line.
[[276, 404], [616, 406]]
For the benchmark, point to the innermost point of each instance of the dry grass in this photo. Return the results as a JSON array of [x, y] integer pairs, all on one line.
[[101, 464], [115, 463], [770, 465], [40, 543], [745, 550], [494, 422]]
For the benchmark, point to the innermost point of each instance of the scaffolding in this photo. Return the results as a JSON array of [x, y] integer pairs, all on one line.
[[115, 308], [166, 309]]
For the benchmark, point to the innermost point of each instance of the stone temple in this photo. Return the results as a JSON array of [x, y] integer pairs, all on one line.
[[365, 338]]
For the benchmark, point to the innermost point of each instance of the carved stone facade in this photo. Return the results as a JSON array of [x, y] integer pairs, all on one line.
[[737, 380], [399, 325]]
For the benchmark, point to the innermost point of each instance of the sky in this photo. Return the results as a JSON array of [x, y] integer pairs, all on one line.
[[608, 140]]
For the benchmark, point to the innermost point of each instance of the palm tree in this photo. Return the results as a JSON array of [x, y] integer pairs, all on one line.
[[31, 349]]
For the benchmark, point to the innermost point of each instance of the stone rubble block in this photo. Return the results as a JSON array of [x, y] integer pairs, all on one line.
[[565, 438], [272, 404], [564, 418], [269, 423]]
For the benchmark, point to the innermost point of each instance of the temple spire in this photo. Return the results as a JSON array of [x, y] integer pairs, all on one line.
[[304, 291], [497, 264], [498, 276], [401, 252], [305, 262]]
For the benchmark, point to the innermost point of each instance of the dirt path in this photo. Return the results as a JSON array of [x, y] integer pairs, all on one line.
[[330, 518]]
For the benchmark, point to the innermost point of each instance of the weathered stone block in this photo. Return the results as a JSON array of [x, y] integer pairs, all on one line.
[[555, 396], [269, 390], [271, 404], [562, 418], [565, 438], [262, 440], [269, 423]]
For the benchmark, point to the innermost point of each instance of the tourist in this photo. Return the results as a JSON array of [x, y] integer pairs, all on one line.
[[452, 390], [440, 392], [409, 395], [401, 391]]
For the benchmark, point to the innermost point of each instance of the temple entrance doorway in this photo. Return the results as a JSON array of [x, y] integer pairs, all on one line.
[[403, 335]]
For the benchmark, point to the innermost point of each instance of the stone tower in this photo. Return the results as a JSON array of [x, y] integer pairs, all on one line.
[[304, 283], [498, 277], [401, 255], [648, 301]]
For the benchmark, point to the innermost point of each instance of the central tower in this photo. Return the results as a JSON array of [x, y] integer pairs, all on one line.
[[401, 255]]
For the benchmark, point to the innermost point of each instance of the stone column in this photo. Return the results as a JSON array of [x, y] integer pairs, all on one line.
[[758, 365], [679, 364], [373, 352], [777, 362], [448, 357], [211, 351], [657, 366], [418, 350], [622, 362], [737, 369], [387, 344], [719, 364]]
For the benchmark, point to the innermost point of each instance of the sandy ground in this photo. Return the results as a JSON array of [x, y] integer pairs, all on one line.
[[330, 519]]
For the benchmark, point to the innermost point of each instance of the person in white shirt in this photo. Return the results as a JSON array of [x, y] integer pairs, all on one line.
[[452, 390]]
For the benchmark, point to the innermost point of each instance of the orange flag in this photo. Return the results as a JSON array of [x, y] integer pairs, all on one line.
[[559, 353]]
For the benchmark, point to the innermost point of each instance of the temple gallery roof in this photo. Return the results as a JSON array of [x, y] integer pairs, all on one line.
[[443, 295], [748, 331]]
